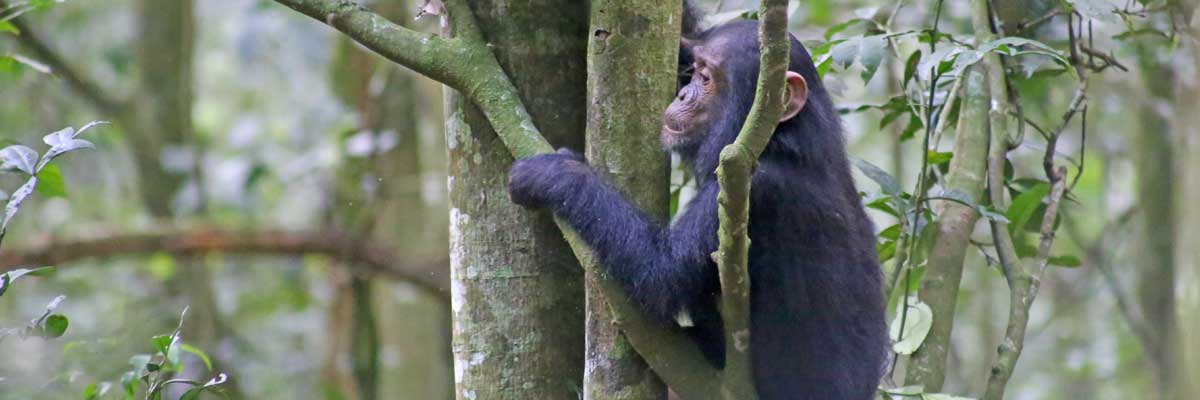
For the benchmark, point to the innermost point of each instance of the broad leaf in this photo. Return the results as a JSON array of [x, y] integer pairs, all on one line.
[[1024, 206], [14, 202], [916, 321], [18, 157], [51, 182], [55, 326], [887, 182]]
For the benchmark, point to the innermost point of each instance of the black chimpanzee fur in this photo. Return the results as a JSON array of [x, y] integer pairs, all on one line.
[[817, 323]]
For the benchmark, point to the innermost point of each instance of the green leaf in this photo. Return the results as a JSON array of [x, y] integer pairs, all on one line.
[[7, 26], [194, 393], [7, 278], [845, 52], [55, 326], [162, 343], [891, 232], [916, 322], [1024, 206], [939, 157], [887, 182], [198, 353], [52, 182], [886, 250], [910, 67], [1068, 261], [870, 54], [942, 396]]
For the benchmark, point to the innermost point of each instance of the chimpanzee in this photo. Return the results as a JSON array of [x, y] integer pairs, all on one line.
[[817, 309]]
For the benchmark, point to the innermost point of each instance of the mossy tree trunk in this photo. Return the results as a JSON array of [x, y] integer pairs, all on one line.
[[516, 289], [632, 58]]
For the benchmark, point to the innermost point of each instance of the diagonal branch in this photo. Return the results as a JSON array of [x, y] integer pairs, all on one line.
[[32, 41], [361, 257], [466, 64]]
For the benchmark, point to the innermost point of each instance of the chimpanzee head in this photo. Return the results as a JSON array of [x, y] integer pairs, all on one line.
[[718, 74]]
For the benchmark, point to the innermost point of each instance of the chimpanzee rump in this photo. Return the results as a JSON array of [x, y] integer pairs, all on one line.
[[817, 309]]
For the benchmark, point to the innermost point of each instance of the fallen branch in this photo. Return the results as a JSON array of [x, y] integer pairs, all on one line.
[[359, 256]]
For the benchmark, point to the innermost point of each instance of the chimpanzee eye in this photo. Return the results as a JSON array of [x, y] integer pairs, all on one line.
[[687, 73]]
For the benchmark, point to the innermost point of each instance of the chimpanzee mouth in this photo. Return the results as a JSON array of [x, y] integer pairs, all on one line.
[[672, 130]]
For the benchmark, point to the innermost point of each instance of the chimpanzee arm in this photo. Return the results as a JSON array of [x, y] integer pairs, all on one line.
[[665, 270]]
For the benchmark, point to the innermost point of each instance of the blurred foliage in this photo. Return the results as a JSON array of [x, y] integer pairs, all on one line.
[[272, 130]]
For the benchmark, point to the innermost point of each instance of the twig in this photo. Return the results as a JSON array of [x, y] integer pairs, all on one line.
[[1024, 26], [1107, 58]]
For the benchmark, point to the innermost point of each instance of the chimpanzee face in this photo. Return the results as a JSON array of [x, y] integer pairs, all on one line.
[[694, 109], [713, 83]]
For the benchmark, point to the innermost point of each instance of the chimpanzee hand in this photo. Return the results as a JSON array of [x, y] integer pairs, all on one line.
[[545, 178]]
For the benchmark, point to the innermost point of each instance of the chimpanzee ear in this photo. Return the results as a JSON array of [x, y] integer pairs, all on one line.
[[796, 96]]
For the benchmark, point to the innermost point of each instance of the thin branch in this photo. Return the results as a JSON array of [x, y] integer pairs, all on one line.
[[1024, 279], [464, 63], [737, 163], [31, 40], [1107, 58], [366, 258]]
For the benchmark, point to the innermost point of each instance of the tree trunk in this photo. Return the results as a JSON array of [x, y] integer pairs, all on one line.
[[160, 119], [516, 290], [633, 51], [1153, 157], [948, 249], [1187, 251]]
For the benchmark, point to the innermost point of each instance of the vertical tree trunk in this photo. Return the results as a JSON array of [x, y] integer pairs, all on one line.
[[1187, 260], [1153, 160], [517, 290], [385, 191], [632, 60], [943, 272], [160, 118]]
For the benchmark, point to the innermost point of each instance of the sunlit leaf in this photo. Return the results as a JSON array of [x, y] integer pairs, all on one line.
[[845, 52], [18, 157], [871, 52], [916, 324], [14, 202], [8, 27], [939, 157], [194, 393]]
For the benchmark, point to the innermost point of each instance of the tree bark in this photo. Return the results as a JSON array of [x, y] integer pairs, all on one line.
[[517, 290], [632, 58], [944, 269], [1153, 158], [1187, 259]]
